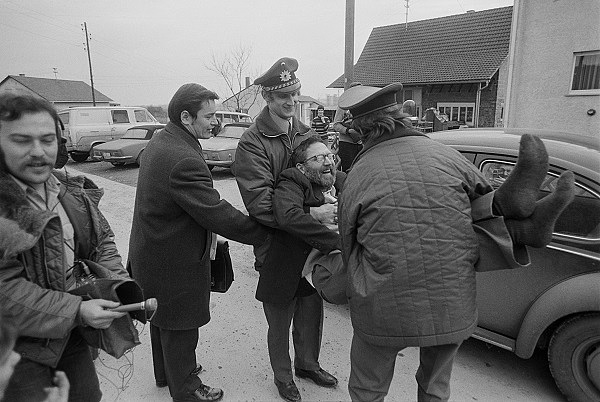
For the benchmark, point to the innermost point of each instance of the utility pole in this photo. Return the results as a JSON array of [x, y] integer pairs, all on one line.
[[406, 20], [87, 45], [349, 55]]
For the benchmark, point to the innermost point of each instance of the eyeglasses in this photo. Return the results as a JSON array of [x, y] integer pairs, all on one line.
[[320, 158]]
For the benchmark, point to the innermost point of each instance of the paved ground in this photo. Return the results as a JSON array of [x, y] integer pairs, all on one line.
[[232, 347]]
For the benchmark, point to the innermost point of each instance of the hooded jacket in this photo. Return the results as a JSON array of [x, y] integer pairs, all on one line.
[[32, 280], [408, 241]]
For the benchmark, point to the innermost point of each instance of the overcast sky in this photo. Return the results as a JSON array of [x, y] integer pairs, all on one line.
[[143, 50]]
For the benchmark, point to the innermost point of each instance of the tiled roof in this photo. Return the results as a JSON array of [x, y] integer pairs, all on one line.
[[55, 90], [465, 47]]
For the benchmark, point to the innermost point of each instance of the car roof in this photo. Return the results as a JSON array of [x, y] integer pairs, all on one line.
[[228, 112], [100, 107], [147, 126], [578, 154], [239, 124]]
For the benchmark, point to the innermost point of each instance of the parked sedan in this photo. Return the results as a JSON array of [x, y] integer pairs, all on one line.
[[554, 303], [220, 149], [129, 148]]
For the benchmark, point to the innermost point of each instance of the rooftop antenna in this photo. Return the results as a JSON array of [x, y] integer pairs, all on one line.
[[87, 47], [55, 70], [406, 23]]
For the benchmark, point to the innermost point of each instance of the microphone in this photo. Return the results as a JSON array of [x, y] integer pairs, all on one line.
[[148, 305]]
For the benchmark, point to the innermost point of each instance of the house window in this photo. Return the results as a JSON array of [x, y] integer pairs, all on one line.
[[586, 73], [460, 112]]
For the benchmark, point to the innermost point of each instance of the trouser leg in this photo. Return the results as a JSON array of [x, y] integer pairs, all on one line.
[[30, 378], [307, 331], [179, 356], [157, 355], [279, 318], [371, 370], [433, 375]]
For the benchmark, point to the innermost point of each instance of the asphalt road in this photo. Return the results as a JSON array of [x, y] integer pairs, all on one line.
[[232, 347]]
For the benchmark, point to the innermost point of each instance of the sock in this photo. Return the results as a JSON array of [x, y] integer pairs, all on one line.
[[516, 197], [536, 230]]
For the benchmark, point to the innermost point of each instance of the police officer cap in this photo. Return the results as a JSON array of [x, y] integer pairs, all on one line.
[[362, 99], [280, 77]]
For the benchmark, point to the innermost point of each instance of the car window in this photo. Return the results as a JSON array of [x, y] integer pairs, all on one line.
[[136, 134], [232, 132], [141, 116], [64, 117], [119, 116], [581, 218], [245, 119]]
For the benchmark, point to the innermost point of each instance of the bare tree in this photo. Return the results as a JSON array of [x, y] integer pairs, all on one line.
[[233, 68]]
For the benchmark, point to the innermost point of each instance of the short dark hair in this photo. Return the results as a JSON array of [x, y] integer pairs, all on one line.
[[12, 107], [321, 107], [189, 97], [299, 153]]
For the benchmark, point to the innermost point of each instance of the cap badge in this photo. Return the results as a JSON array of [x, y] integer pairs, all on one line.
[[285, 76]]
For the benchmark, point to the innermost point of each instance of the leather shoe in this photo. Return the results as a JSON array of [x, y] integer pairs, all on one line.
[[202, 393], [288, 390], [320, 377]]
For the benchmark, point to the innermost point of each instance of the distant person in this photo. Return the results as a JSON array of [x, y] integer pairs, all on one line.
[[406, 220], [321, 123], [48, 221], [176, 218], [349, 142], [263, 152]]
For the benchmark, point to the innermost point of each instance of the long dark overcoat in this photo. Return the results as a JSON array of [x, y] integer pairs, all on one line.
[[176, 209]]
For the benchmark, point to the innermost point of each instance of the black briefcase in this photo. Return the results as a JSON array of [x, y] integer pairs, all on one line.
[[221, 270]]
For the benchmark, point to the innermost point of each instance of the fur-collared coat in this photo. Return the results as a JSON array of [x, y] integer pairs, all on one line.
[[32, 280]]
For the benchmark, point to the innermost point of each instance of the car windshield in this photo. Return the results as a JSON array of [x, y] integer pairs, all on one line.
[[232, 132], [136, 134]]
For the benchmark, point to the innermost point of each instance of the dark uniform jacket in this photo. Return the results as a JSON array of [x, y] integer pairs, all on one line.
[[176, 210]]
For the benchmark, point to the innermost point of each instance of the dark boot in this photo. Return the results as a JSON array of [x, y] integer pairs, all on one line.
[[536, 230], [516, 197]]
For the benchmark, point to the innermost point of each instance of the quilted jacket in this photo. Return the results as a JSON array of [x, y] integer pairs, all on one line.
[[408, 242], [32, 281]]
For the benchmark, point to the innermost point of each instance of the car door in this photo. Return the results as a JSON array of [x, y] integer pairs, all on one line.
[[504, 296], [121, 120]]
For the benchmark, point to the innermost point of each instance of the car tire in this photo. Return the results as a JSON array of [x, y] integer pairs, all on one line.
[[574, 357], [79, 157]]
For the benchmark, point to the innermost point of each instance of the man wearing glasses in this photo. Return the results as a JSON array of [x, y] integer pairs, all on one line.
[[263, 152]]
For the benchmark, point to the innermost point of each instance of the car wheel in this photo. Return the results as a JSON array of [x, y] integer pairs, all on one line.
[[117, 163], [574, 357], [79, 157]]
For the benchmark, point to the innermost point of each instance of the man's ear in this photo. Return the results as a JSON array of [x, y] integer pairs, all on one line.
[[186, 117], [301, 167]]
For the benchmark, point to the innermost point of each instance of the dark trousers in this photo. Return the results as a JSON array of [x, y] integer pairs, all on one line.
[[30, 378], [174, 358], [306, 313], [372, 370]]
